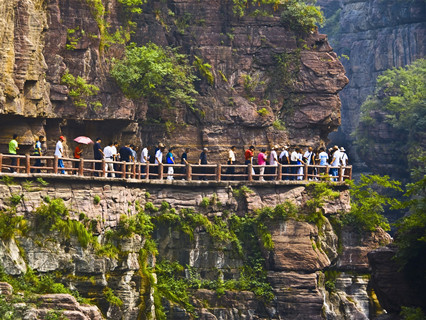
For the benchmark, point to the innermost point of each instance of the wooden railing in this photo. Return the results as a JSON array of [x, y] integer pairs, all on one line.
[[148, 171]]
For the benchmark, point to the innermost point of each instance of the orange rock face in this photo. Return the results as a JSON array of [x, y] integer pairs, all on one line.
[[299, 108]]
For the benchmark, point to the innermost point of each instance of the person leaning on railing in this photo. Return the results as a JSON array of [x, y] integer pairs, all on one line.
[[38, 153]]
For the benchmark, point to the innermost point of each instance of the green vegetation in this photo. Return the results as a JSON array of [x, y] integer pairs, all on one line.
[[96, 199], [368, 202], [111, 297], [262, 112], [411, 313], [279, 124], [72, 38], [161, 75], [400, 102], [80, 91], [134, 6], [299, 16], [204, 69]]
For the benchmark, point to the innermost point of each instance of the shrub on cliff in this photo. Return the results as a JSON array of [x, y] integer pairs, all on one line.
[[161, 75], [399, 101], [300, 16]]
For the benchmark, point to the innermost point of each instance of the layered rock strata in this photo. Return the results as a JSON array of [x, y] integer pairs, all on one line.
[[315, 271], [41, 40]]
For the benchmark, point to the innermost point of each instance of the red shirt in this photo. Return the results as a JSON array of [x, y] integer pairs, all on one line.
[[248, 154], [77, 153]]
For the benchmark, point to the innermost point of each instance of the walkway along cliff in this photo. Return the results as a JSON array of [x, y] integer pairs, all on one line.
[[229, 250]]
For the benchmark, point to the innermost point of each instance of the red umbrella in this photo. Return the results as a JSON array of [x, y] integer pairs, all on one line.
[[83, 140]]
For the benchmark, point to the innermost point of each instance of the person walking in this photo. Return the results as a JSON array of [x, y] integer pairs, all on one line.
[[248, 158], [170, 159], [293, 161], [273, 162], [159, 157], [184, 161], [261, 161], [299, 162], [335, 162], [344, 159], [308, 158], [109, 157], [98, 155], [284, 160], [144, 159], [126, 155], [203, 160], [38, 153], [231, 161], [59, 151], [13, 148], [77, 155]]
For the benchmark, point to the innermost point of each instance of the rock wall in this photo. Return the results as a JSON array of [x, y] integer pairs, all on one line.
[[41, 40], [375, 35], [316, 271]]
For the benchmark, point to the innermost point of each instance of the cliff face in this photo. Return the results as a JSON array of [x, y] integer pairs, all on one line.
[[375, 35], [41, 40], [315, 270]]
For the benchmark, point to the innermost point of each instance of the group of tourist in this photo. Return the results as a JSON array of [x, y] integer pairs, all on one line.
[[266, 160]]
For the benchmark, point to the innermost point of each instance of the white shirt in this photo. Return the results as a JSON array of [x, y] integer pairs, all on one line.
[[144, 155], [108, 153], [284, 153], [294, 156], [308, 156], [159, 156], [231, 155], [273, 158], [344, 158], [336, 156], [59, 149], [323, 158]]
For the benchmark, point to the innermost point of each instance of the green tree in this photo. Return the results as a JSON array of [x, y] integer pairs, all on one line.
[[300, 16], [161, 75], [368, 202], [399, 101]]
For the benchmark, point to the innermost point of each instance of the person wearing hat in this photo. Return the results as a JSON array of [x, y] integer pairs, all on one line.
[[335, 162], [273, 161], [344, 159], [284, 159], [59, 151]]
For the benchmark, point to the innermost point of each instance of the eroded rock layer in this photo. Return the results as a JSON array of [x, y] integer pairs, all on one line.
[[42, 39], [315, 270]]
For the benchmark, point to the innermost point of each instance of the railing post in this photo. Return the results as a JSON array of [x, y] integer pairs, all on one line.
[[218, 172], [134, 170], [305, 172], [1, 162], [188, 172], [103, 168], [18, 164], [81, 167], [327, 170], [340, 173], [280, 172], [27, 164], [350, 172], [160, 171], [123, 169], [55, 164], [147, 170], [250, 172]]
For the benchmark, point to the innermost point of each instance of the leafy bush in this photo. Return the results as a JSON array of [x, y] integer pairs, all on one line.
[[411, 313], [80, 91], [11, 224], [161, 75], [399, 101], [299, 16], [368, 204], [204, 69], [111, 297], [96, 199]]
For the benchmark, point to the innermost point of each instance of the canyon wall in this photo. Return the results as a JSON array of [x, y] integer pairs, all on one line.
[[316, 269], [246, 104], [371, 36]]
